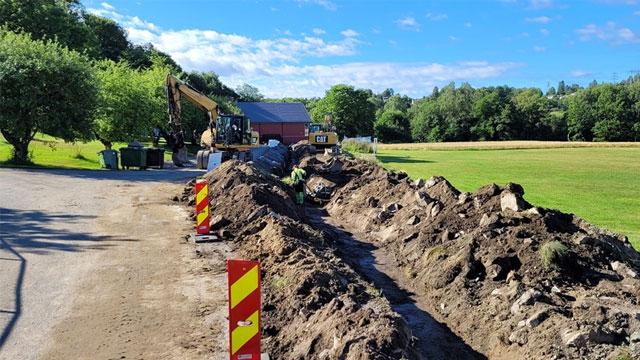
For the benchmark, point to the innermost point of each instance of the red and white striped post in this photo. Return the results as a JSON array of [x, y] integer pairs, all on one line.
[[202, 207], [244, 309]]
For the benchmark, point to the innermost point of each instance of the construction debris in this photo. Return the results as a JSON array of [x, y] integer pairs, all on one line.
[[472, 261]]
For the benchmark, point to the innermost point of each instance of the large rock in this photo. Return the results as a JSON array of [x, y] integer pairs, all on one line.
[[622, 269], [393, 207], [529, 297], [537, 318], [433, 180], [422, 199], [575, 338], [512, 201], [490, 221], [417, 183], [218, 222], [413, 220]]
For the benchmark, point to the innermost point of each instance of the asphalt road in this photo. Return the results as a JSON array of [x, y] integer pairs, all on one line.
[[50, 242]]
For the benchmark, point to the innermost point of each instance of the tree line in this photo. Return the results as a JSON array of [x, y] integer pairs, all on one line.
[[599, 112]]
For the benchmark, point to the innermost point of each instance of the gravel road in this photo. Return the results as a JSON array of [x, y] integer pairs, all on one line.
[[91, 266]]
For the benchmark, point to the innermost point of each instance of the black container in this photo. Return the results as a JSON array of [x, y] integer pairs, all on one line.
[[155, 157]]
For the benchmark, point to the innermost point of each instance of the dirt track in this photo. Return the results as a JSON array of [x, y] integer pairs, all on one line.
[[89, 259]]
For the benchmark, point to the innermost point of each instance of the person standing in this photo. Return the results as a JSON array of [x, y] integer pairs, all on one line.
[[297, 179]]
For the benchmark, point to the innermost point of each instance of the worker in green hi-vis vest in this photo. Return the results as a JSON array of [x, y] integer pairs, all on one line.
[[297, 179]]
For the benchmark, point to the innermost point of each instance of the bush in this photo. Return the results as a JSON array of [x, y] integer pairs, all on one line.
[[553, 254], [353, 146]]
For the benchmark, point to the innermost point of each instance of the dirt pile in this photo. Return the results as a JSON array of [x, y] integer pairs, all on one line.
[[511, 279], [314, 306]]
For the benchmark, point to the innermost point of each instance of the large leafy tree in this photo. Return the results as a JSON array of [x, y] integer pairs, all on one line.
[[43, 88], [144, 57], [530, 111], [60, 20], [352, 112], [111, 39], [392, 126], [249, 93], [132, 101]]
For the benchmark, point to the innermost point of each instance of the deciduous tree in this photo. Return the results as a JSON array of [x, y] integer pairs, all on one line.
[[43, 88]]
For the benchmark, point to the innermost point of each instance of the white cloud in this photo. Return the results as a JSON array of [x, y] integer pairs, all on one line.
[[408, 23], [350, 33], [539, 49], [437, 17], [329, 5], [580, 73], [453, 38], [107, 6], [539, 19], [414, 79], [284, 66], [541, 4], [637, 13], [468, 24], [611, 33], [545, 32], [318, 31]]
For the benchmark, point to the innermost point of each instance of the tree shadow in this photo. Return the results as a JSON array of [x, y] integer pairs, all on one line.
[[150, 175], [403, 159], [434, 339], [31, 232]]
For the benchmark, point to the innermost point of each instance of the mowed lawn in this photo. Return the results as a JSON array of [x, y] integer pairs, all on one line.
[[50, 152], [601, 185]]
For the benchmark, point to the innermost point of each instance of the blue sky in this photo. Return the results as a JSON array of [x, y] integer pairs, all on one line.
[[302, 47]]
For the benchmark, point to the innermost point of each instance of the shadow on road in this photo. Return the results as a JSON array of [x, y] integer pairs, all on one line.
[[434, 339], [15, 313], [31, 232], [152, 175]]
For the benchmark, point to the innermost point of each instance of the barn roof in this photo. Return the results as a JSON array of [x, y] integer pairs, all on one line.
[[260, 112]]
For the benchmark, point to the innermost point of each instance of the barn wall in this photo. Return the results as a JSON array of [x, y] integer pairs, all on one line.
[[290, 133]]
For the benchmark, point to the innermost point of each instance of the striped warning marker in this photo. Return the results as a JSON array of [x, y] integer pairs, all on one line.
[[244, 309], [202, 207]]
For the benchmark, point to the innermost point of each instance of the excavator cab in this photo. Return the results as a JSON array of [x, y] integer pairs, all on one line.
[[322, 136], [233, 130]]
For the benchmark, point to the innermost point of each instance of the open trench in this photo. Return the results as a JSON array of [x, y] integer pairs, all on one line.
[[389, 268], [433, 340]]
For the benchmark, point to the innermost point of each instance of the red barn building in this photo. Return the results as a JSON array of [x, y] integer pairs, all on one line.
[[286, 122]]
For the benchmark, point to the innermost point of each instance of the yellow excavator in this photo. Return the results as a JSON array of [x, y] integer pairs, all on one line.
[[229, 134], [323, 136]]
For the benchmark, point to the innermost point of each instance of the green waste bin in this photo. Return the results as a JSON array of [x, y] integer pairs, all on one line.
[[109, 159], [133, 157], [155, 157]]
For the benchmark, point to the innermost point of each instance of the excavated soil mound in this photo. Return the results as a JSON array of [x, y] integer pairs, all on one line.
[[513, 280], [314, 306]]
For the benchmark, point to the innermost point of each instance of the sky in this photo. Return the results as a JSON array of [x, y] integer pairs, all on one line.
[[300, 48]]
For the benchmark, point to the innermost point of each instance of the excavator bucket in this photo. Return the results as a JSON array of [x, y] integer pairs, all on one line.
[[180, 157]]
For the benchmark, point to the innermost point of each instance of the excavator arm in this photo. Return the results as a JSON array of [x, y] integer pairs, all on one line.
[[176, 90]]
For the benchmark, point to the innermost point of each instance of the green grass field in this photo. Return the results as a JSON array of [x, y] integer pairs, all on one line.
[[601, 185], [50, 152]]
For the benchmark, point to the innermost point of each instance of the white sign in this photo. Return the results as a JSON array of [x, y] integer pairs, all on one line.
[[215, 159]]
